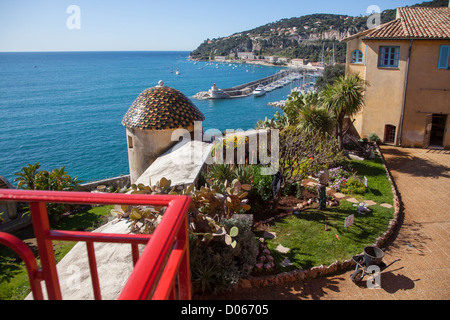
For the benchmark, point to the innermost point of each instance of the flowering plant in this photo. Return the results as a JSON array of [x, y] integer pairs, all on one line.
[[338, 178], [354, 185], [264, 260]]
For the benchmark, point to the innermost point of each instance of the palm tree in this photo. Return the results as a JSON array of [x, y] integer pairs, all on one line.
[[315, 118], [305, 112], [344, 98], [27, 177]]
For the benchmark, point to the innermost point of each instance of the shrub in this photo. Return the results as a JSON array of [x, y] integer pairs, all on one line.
[[354, 186], [262, 184], [56, 180], [216, 267], [374, 137], [293, 189], [304, 153]]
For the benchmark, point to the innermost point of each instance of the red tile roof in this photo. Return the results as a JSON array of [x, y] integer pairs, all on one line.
[[412, 23]]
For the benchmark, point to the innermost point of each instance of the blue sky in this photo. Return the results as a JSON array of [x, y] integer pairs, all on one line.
[[40, 25]]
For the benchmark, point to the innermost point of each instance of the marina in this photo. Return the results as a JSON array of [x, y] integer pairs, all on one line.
[[259, 87]]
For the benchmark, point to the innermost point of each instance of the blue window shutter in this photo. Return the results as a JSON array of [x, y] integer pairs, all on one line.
[[443, 57]]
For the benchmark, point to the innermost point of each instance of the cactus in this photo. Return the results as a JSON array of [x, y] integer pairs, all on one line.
[[208, 207]]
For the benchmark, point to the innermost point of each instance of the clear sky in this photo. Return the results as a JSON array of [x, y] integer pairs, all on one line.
[[41, 25]]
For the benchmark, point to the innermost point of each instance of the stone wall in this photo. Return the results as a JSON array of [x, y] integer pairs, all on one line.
[[115, 183]]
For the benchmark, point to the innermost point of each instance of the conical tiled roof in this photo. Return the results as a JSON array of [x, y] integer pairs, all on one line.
[[160, 108]]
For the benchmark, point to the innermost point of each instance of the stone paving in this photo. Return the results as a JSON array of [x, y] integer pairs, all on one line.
[[417, 254]]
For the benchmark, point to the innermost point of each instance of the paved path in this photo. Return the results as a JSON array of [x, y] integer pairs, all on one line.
[[417, 254]]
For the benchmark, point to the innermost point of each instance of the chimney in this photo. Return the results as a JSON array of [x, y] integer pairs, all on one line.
[[397, 15]]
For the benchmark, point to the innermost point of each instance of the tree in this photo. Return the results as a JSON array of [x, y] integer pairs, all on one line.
[[26, 178], [314, 118], [330, 75], [344, 98], [57, 180], [303, 153], [305, 111]]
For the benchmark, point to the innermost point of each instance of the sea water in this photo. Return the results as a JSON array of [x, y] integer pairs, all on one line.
[[65, 108]]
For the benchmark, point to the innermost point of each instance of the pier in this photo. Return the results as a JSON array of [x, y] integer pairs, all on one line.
[[243, 90]]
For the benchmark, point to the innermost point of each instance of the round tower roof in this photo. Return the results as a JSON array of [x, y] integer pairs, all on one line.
[[159, 108]]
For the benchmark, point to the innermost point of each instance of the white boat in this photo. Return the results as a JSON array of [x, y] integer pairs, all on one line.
[[178, 72], [259, 91], [269, 88]]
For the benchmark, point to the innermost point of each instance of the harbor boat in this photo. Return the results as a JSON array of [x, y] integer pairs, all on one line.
[[269, 88], [259, 91], [178, 72]]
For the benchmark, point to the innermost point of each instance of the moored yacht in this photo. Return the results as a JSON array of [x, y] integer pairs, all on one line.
[[259, 91]]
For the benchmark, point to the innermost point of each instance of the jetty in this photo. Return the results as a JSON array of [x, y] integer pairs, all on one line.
[[243, 90]]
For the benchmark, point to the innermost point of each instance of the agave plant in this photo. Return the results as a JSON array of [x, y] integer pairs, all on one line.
[[244, 174], [221, 172]]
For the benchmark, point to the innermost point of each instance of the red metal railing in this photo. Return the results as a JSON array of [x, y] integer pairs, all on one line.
[[164, 260]]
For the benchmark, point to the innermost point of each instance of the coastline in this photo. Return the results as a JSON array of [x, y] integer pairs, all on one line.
[[254, 62]]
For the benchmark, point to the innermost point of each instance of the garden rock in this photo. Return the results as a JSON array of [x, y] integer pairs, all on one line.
[[339, 195], [282, 249], [269, 235], [355, 157], [370, 202]]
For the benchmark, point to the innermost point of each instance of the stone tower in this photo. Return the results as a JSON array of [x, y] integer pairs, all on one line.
[[150, 121]]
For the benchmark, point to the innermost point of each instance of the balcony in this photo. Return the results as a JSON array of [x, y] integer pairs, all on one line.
[[160, 272]]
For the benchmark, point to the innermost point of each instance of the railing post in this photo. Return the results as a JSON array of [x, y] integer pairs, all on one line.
[[41, 227], [184, 273], [93, 268], [27, 256]]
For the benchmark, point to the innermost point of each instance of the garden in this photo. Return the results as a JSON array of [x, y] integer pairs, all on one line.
[[244, 223]]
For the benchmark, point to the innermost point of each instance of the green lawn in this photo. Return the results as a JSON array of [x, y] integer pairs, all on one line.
[[14, 283], [311, 245]]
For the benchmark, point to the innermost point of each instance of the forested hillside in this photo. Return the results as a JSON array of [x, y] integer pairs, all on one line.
[[301, 37]]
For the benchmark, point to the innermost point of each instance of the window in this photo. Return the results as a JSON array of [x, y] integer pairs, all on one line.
[[389, 133], [130, 142], [357, 56], [389, 57], [444, 57]]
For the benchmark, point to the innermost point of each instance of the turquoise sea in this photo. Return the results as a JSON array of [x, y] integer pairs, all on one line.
[[65, 108]]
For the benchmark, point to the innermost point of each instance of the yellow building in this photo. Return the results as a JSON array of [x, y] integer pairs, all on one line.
[[407, 65]]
